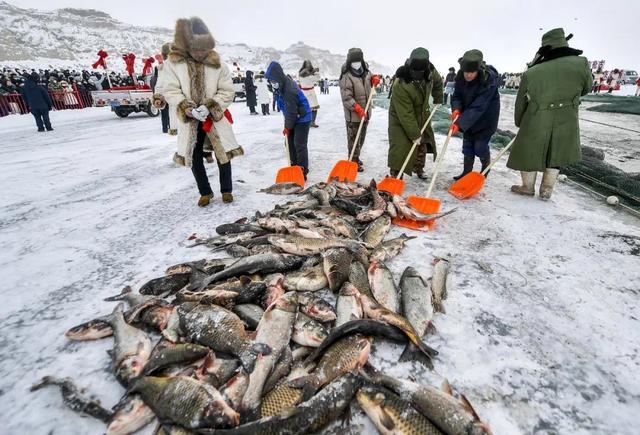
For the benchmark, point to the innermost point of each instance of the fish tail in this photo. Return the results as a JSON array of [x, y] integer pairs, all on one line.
[[119, 297], [250, 354]]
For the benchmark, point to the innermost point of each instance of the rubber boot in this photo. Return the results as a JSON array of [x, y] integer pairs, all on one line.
[[485, 162], [528, 187], [204, 200], [360, 166], [549, 179], [314, 115], [421, 175], [468, 166], [227, 197]]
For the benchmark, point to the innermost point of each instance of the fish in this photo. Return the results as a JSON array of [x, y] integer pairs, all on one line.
[[186, 401], [345, 205], [316, 308], [274, 331], [130, 415], [348, 306], [282, 397], [283, 189], [304, 246], [215, 370], [72, 397], [392, 415], [249, 313], [306, 280], [308, 332], [308, 417], [377, 231], [348, 354], [364, 327], [236, 228], [375, 311], [165, 285], [226, 240], [439, 283], [166, 353], [189, 267], [417, 308], [276, 224], [406, 211], [383, 286], [389, 249], [263, 263], [340, 226], [369, 215], [238, 251], [335, 264], [313, 233], [450, 415], [221, 330], [235, 389], [92, 330], [274, 290], [132, 348], [280, 370], [359, 278]]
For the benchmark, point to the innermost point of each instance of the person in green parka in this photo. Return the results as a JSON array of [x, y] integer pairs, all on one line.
[[416, 81], [546, 112]]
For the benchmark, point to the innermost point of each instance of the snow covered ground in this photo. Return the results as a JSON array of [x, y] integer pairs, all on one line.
[[542, 330]]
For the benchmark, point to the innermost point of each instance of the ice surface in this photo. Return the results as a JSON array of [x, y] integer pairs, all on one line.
[[548, 342]]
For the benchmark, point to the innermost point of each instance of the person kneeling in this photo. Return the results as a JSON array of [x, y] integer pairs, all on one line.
[[476, 108]]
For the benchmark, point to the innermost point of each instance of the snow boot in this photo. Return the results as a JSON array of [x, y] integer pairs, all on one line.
[[485, 162], [528, 187], [360, 166], [314, 115], [549, 179], [227, 197], [204, 200], [468, 166], [421, 175]]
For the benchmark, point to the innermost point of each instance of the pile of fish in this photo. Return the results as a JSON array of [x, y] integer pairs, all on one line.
[[276, 336]]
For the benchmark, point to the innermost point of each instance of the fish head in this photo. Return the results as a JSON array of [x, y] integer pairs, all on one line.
[[372, 400], [219, 414], [131, 368], [130, 415], [349, 289], [287, 302], [158, 317], [92, 330]]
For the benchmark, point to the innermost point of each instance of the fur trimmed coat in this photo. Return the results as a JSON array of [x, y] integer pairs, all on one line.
[[308, 82], [188, 83]]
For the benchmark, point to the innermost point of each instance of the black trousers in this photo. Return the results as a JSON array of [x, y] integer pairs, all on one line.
[[265, 109], [298, 151], [200, 172], [164, 115], [42, 119], [252, 109]]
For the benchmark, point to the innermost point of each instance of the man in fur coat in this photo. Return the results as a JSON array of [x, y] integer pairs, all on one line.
[[198, 85]]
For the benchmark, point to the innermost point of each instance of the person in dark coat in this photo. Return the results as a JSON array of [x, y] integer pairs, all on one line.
[[38, 100], [476, 105], [250, 92], [297, 114], [449, 84]]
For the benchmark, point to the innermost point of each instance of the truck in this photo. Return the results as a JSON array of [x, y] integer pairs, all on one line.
[[125, 100]]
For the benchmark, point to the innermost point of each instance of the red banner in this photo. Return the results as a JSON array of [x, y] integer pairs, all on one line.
[[146, 69], [129, 60], [159, 59], [101, 63]]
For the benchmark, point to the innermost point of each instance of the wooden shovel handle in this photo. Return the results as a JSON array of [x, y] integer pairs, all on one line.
[[417, 141], [286, 146], [366, 110], [440, 160], [498, 157]]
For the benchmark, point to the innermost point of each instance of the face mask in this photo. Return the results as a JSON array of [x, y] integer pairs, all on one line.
[[356, 65]]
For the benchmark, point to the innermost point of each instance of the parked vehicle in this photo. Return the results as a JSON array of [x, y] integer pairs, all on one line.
[[238, 86], [629, 77], [126, 100]]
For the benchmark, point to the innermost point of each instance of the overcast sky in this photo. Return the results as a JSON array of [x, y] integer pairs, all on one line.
[[507, 31]]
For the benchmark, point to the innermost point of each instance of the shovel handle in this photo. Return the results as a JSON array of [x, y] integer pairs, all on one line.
[[417, 141], [366, 110], [439, 162], [498, 157], [286, 146]]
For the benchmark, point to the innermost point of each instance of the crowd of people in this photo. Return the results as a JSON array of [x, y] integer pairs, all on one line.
[[197, 86]]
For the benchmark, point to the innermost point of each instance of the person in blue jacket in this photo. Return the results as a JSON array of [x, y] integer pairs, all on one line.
[[475, 108], [297, 114], [38, 100]]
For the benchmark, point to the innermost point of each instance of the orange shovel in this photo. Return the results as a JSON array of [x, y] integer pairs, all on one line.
[[395, 186], [290, 174], [471, 183], [346, 171], [425, 205]]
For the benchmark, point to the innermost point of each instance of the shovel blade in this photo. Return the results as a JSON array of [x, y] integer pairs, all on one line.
[[344, 171], [467, 186], [393, 186], [291, 174], [424, 206]]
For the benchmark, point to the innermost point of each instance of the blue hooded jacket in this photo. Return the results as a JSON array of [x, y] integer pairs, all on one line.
[[289, 97], [479, 102]]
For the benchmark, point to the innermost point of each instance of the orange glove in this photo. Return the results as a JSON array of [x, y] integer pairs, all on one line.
[[360, 111], [285, 132], [454, 129], [456, 113], [375, 80]]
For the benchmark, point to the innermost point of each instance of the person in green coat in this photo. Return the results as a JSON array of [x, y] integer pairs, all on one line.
[[416, 81], [546, 112]]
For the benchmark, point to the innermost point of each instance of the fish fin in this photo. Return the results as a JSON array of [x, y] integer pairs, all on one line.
[[412, 353], [386, 420], [120, 296], [446, 387], [47, 380], [245, 280], [468, 407], [241, 221]]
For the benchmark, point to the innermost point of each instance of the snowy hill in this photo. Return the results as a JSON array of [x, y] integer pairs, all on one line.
[[71, 38]]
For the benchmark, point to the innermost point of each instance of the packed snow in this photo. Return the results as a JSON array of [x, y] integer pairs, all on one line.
[[542, 331]]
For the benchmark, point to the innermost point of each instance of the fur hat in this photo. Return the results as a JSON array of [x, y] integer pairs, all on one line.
[[355, 55], [471, 61], [555, 38], [192, 34], [166, 48]]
